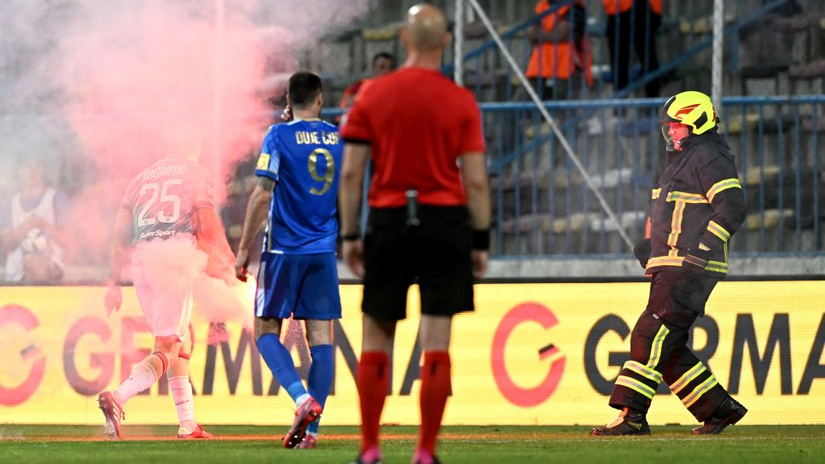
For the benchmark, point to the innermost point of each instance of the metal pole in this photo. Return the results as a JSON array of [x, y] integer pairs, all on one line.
[[718, 50], [550, 121], [458, 44], [218, 83]]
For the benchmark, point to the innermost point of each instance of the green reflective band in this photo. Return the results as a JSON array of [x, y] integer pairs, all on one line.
[[722, 186], [643, 370], [697, 393], [656, 347], [718, 231], [688, 377], [636, 386], [686, 197], [717, 266]]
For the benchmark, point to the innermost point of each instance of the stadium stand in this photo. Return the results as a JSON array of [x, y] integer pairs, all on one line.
[[541, 205]]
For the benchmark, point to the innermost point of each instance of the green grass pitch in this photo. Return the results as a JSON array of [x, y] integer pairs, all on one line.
[[476, 445]]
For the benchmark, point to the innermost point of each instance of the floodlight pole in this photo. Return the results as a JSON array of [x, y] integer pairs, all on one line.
[[458, 44], [718, 50], [540, 106]]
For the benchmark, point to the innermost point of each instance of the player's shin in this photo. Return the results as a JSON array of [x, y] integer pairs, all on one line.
[[372, 392], [181, 388], [435, 389], [320, 377], [143, 376], [279, 361]]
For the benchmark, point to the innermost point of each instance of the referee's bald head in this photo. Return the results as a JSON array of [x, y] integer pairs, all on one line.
[[426, 28]]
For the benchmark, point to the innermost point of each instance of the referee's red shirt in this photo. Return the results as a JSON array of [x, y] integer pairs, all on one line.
[[417, 122]]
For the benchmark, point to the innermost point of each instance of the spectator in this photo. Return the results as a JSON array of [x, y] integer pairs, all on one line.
[[560, 50], [642, 18], [382, 63], [32, 224]]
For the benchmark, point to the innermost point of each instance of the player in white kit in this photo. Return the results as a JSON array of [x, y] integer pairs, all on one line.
[[169, 218]]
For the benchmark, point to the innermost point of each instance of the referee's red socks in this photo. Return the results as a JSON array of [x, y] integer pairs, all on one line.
[[372, 391], [435, 388]]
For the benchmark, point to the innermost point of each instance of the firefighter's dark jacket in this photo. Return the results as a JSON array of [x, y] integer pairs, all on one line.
[[698, 200]]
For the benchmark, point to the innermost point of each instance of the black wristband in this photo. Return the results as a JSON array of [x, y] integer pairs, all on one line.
[[481, 239], [351, 237]]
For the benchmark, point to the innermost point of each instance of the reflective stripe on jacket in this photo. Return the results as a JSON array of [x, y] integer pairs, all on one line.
[[698, 199]]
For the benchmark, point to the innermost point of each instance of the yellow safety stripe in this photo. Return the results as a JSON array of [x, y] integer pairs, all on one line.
[[718, 231], [686, 197], [655, 194], [722, 185], [697, 393], [665, 261], [717, 266], [688, 377], [636, 385], [656, 347], [676, 223], [644, 371]]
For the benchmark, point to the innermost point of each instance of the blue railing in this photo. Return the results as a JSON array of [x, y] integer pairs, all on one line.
[[542, 207]]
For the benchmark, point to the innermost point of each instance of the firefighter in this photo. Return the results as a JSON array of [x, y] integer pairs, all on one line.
[[695, 208]]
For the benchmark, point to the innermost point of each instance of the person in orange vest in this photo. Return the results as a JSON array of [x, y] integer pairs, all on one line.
[[560, 50], [633, 22]]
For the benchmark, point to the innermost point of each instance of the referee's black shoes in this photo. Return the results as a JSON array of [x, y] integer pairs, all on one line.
[[728, 413], [629, 422]]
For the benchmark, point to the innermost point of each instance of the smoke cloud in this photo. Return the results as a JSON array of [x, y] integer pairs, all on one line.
[[102, 89]]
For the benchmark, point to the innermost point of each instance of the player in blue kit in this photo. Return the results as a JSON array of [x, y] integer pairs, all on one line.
[[299, 168]]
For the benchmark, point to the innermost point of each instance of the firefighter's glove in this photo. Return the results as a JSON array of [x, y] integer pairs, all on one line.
[[689, 287], [642, 251]]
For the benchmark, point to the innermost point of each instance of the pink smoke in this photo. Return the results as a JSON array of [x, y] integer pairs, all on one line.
[[148, 78], [140, 79]]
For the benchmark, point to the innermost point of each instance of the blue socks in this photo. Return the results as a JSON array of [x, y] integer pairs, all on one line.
[[321, 373], [280, 363]]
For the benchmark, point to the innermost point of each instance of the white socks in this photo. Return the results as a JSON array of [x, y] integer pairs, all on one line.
[[184, 403], [142, 377], [300, 400]]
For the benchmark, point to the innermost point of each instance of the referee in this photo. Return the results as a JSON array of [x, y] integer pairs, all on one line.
[[429, 218]]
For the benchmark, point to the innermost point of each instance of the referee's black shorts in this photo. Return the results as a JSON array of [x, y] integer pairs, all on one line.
[[436, 253]]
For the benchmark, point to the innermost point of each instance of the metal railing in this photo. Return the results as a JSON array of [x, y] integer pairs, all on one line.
[[541, 206], [685, 33]]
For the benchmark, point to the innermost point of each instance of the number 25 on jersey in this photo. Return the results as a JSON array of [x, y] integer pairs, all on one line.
[[155, 190]]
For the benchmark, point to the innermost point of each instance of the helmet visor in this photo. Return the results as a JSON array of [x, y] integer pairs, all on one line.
[[668, 139]]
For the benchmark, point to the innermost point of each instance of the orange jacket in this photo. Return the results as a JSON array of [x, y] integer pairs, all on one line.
[[558, 60], [613, 7]]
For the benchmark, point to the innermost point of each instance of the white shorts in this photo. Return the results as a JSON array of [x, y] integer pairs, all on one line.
[[166, 300], [163, 272]]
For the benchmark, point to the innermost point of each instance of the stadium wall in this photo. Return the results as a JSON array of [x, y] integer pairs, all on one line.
[[530, 354]]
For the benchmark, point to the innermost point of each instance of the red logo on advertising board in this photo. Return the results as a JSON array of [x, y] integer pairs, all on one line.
[[520, 396], [23, 317]]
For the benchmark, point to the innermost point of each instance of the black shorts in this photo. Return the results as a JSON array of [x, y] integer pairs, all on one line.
[[436, 253]]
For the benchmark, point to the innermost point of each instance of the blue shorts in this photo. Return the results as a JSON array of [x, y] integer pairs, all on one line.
[[298, 286]]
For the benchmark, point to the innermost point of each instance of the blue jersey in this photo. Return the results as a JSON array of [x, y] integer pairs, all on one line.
[[304, 158]]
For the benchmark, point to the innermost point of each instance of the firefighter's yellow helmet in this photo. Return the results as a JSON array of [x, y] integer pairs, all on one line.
[[692, 109]]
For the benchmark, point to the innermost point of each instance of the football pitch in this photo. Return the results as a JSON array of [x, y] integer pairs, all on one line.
[[479, 445]]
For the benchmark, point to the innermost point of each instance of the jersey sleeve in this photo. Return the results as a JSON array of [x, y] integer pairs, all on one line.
[[473, 131], [721, 186], [128, 202], [356, 127], [269, 160], [204, 191]]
